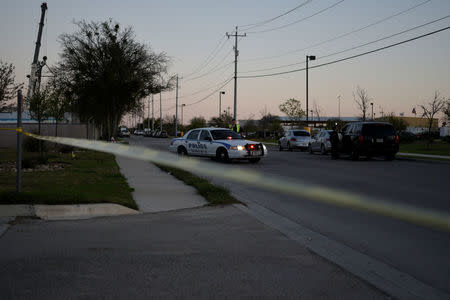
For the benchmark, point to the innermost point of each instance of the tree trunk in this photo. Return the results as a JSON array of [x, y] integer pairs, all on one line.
[[56, 128]]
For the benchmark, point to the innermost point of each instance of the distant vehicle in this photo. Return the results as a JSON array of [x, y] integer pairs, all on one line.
[[295, 138], [163, 134], [147, 132], [369, 139], [320, 142], [157, 133], [138, 132], [218, 143], [123, 132]]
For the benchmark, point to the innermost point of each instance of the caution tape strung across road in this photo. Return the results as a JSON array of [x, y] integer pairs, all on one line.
[[412, 214]]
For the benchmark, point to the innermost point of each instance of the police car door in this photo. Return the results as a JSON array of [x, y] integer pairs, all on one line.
[[206, 144], [192, 142]]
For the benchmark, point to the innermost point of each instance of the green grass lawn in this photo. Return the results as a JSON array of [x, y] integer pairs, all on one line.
[[215, 195], [90, 177], [436, 148]]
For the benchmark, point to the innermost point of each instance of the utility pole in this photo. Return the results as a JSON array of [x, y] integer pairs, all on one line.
[[220, 102], [148, 113], [176, 109], [34, 64], [153, 115], [236, 53], [19, 142], [160, 112]]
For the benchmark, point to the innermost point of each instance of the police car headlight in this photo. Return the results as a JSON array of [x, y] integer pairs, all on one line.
[[264, 147], [239, 148]]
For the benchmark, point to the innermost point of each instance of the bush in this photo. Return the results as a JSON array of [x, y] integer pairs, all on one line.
[[28, 163], [32, 145], [446, 139], [407, 137], [66, 149]]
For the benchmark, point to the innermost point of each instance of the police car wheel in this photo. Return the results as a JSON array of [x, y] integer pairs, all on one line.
[[323, 150], [310, 149], [222, 155], [182, 151]]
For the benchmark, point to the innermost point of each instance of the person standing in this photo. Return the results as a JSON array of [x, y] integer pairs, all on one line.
[[235, 127], [334, 139]]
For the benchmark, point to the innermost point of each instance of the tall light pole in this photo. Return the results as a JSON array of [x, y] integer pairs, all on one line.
[[312, 115], [182, 105], [371, 104], [220, 102], [148, 113], [308, 58]]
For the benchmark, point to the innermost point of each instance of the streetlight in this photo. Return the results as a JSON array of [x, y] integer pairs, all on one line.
[[182, 105], [371, 104], [312, 115], [308, 57], [220, 102]]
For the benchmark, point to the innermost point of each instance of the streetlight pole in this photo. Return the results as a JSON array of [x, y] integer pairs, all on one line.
[[148, 113], [312, 115], [220, 102], [308, 57]]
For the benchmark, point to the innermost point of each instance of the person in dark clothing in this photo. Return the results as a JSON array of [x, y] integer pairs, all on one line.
[[334, 139]]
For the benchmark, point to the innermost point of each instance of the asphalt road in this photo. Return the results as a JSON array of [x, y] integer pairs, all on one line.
[[419, 252]]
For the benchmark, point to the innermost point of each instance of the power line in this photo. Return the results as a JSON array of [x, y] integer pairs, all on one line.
[[216, 68], [355, 47], [344, 34], [350, 57], [210, 57], [215, 91], [298, 21], [251, 26]]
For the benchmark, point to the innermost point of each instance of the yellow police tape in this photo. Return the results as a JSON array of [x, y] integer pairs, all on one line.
[[420, 216]]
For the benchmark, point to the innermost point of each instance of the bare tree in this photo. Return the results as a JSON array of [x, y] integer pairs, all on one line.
[[362, 99], [317, 110], [432, 108], [447, 110], [8, 89]]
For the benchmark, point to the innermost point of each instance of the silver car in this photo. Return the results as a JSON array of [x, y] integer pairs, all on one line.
[[321, 142], [295, 138]]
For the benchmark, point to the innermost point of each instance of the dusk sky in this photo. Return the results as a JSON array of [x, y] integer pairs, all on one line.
[[397, 79]]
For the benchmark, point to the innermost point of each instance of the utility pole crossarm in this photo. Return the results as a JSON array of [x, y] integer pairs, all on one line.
[[236, 53]]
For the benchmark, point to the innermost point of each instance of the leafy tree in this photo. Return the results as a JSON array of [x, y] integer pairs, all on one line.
[[447, 110], [8, 89], [362, 99], [197, 122], [106, 72], [223, 121], [293, 109], [432, 108], [58, 105], [398, 123], [270, 123]]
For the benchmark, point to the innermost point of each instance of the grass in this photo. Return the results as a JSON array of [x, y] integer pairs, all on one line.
[[90, 177], [436, 148], [215, 195]]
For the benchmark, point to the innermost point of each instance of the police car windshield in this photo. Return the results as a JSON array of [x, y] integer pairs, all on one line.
[[225, 134]]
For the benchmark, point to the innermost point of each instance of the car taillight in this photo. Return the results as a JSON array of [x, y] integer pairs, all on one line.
[[293, 139], [397, 139], [361, 138], [328, 140], [252, 147]]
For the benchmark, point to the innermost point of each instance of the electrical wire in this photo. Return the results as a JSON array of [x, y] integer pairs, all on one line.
[[210, 57], [215, 91], [344, 34], [355, 47], [298, 21], [350, 57], [254, 25]]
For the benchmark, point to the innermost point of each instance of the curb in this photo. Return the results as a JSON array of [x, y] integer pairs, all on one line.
[[66, 212]]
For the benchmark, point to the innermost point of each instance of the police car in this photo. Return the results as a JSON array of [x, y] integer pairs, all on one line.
[[218, 143]]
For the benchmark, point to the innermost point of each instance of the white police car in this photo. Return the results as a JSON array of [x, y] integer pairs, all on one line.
[[220, 143]]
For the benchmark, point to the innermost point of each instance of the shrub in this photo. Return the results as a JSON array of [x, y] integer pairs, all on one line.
[[32, 145]]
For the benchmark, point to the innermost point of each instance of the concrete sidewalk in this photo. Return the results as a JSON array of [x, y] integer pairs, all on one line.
[[156, 190], [203, 253]]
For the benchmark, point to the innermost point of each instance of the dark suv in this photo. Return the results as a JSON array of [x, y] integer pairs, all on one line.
[[369, 139]]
